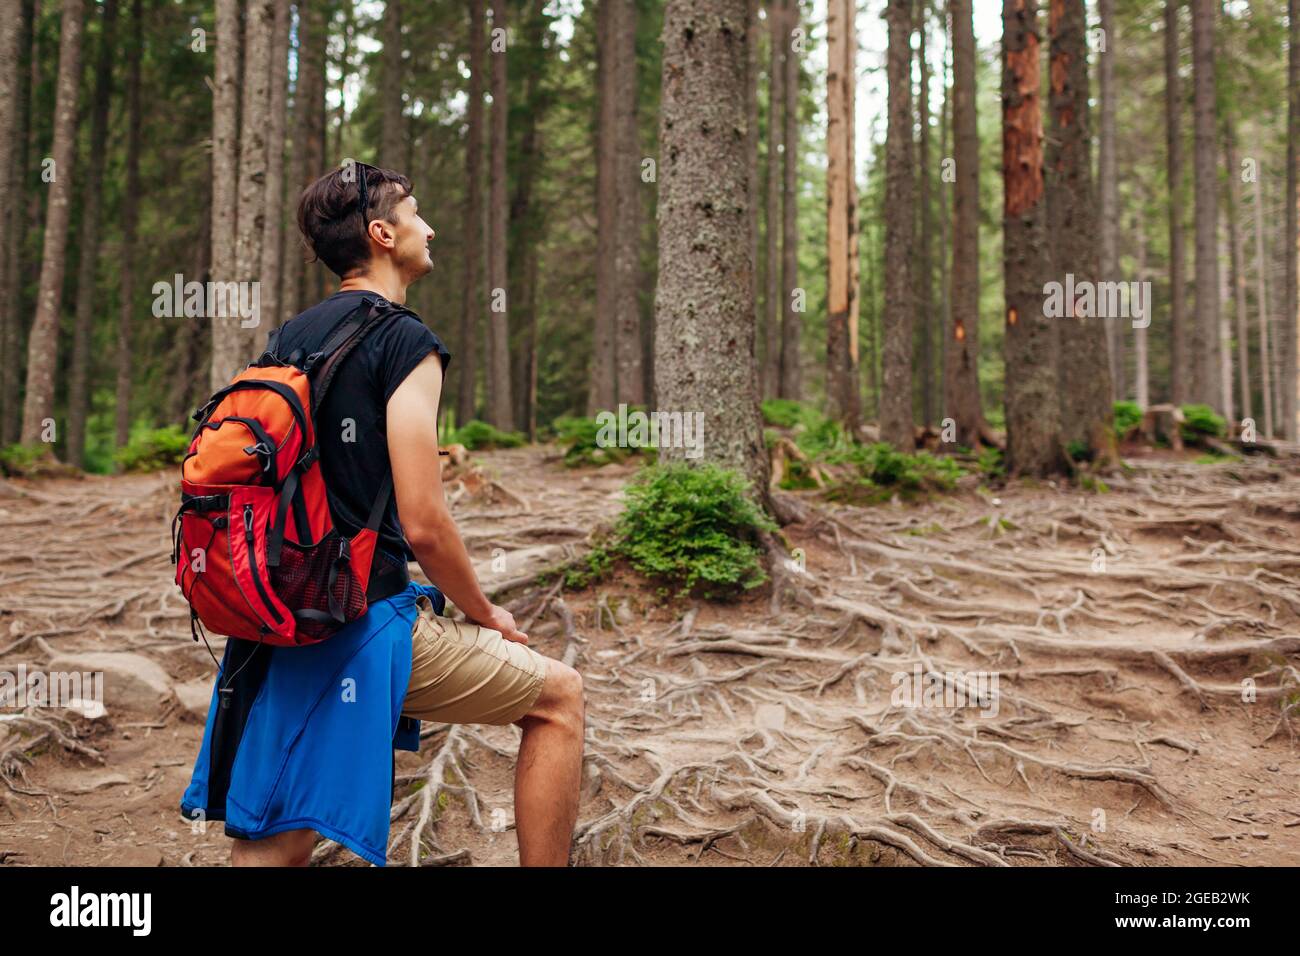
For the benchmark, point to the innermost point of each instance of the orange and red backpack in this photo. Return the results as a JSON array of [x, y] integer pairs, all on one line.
[[256, 551]]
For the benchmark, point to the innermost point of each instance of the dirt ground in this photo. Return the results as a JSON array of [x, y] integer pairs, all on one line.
[[1120, 627]]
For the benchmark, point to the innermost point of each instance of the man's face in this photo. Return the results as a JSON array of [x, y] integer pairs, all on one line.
[[412, 236]]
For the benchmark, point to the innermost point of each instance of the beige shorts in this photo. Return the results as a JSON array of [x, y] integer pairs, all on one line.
[[465, 674]]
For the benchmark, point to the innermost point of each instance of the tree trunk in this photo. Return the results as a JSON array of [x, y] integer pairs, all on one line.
[[627, 190], [604, 363], [130, 211], [524, 231], [925, 232], [752, 70], [1108, 190], [500, 407], [854, 388], [1084, 386], [471, 290], [391, 138], [225, 183], [273, 236], [1033, 415], [87, 267], [704, 309], [1290, 332], [1141, 360], [775, 138], [792, 322], [939, 320], [12, 305], [1180, 374], [896, 425], [1208, 388], [841, 383], [1261, 301], [1238, 252], [961, 381], [12, 27], [42, 345], [346, 69], [255, 116]]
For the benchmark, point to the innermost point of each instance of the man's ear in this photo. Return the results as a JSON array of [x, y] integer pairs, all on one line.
[[381, 232]]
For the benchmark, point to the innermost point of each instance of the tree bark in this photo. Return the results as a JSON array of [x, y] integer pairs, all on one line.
[[471, 289], [1034, 445], [525, 231], [627, 188], [11, 35], [604, 364], [1084, 386], [1290, 337], [1180, 374], [925, 220], [779, 44], [500, 407], [87, 267], [792, 310], [1205, 343], [1141, 360], [1261, 302], [130, 213], [841, 381], [961, 380], [896, 426], [42, 345], [273, 235], [11, 308], [1238, 253], [1108, 192], [255, 116], [391, 136], [225, 183], [704, 309]]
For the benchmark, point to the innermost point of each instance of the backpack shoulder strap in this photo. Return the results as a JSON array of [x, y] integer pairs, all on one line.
[[322, 365]]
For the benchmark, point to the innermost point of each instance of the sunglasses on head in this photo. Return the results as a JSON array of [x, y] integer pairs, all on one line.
[[363, 191]]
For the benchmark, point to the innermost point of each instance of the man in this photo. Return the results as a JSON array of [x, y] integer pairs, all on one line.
[[307, 754]]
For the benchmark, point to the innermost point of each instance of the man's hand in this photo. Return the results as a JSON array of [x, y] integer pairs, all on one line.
[[499, 619]]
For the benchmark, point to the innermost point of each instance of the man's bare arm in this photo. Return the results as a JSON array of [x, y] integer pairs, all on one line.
[[426, 519]]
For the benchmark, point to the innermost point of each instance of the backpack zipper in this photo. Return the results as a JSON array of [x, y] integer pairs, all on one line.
[[252, 563]]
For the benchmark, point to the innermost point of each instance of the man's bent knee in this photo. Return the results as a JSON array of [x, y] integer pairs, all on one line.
[[561, 699]]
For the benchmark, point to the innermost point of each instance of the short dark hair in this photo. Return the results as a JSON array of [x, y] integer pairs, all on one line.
[[330, 222]]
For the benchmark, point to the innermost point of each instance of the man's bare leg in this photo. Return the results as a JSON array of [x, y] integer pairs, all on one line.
[[288, 848], [549, 772]]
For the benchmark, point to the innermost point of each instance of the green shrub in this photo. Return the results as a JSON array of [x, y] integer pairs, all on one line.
[[580, 437], [787, 413], [881, 465], [150, 449], [1128, 416], [476, 435], [825, 439], [21, 460], [991, 463], [1199, 420], [690, 527]]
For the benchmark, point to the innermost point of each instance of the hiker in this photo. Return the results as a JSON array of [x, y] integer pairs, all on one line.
[[299, 740]]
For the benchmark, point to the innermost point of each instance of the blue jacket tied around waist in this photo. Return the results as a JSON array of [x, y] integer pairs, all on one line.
[[306, 735]]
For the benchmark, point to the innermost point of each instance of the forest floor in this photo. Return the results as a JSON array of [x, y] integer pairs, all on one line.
[[1119, 628]]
